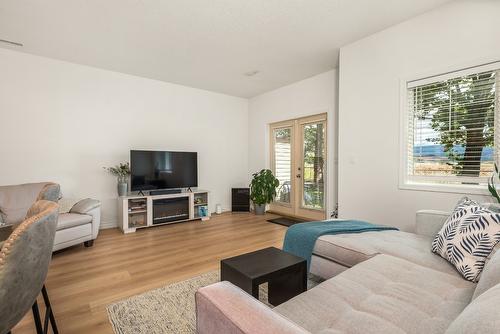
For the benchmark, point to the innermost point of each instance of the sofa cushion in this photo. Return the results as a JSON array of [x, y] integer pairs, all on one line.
[[467, 239], [490, 275], [429, 222], [351, 249], [325, 268], [384, 294], [480, 316], [17, 199], [69, 220]]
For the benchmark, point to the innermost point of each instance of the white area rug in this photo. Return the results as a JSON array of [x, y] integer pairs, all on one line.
[[169, 309]]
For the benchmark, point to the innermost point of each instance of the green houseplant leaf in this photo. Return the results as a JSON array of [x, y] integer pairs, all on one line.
[[491, 184], [263, 187], [121, 170]]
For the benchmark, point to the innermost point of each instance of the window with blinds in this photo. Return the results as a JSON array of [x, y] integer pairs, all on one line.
[[453, 126]]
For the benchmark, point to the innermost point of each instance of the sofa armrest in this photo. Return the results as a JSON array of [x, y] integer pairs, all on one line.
[[85, 205], [225, 308], [90, 207], [429, 222]]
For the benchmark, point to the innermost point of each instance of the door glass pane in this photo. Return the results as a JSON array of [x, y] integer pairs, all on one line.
[[283, 163], [313, 196]]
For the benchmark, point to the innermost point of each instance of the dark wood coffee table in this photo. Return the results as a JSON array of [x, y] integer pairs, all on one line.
[[285, 273]]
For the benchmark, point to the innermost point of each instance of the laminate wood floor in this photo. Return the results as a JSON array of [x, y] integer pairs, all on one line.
[[82, 281]]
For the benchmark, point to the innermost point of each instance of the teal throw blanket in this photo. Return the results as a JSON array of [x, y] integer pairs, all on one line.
[[300, 238]]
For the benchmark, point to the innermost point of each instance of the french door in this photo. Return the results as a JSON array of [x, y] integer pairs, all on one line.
[[298, 160]]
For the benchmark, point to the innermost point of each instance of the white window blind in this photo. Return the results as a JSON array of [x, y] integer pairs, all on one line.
[[453, 126]]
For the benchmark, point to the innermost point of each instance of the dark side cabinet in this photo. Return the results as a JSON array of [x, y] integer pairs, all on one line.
[[240, 200]]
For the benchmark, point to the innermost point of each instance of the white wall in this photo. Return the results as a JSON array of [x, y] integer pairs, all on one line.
[[63, 122], [307, 97], [457, 35]]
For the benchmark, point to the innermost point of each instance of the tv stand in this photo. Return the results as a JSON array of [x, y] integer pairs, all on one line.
[[189, 190], [140, 193], [141, 211]]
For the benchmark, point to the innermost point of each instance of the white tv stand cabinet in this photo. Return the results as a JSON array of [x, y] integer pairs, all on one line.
[[140, 211]]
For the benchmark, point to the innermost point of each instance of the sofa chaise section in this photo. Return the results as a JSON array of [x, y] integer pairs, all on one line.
[[384, 294], [334, 254]]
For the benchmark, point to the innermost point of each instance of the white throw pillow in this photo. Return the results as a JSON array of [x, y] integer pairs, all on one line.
[[65, 204], [468, 237]]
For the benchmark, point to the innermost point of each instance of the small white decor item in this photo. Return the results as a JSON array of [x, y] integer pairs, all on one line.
[[468, 237], [218, 209], [121, 171]]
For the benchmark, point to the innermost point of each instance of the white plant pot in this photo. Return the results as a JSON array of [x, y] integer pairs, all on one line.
[[259, 209]]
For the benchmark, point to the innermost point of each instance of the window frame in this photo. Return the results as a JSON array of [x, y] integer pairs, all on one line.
[[424, 183]]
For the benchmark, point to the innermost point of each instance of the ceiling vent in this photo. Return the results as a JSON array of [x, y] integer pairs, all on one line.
[[251, 73]]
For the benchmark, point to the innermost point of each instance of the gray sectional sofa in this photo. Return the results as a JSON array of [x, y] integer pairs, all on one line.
[[377, 282]]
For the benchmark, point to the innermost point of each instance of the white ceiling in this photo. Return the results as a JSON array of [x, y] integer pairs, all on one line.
[[207, 44]]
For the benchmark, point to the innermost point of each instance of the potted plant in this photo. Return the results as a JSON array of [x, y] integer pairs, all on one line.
[[263, 190], [121, 171]]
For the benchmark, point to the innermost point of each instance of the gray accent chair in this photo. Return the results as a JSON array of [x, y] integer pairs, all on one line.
[[376, 282], [79, 225], [24, 262]]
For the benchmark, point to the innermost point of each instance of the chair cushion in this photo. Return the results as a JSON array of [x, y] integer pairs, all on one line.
[[490, 275], [384, 294], [69, 220], [351, 249], [467, 238]]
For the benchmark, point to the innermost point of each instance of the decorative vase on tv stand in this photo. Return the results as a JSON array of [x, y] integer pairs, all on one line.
[[122, 186], [263, 190], [121, 171]]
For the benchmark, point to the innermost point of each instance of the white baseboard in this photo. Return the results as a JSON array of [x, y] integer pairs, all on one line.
[[108, 224]]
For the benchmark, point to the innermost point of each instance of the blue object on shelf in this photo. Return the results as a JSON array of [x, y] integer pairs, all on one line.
[[202, 211]]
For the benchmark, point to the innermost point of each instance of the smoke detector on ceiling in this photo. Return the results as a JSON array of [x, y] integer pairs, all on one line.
[[251, 73], [10, 42]]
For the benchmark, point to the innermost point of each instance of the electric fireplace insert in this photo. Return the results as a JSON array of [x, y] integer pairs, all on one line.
[[169, 210]]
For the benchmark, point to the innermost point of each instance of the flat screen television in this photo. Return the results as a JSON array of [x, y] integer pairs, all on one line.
[[154, 170]]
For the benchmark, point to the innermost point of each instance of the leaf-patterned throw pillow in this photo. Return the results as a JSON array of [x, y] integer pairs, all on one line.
[[468, 237], [465, 202]]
